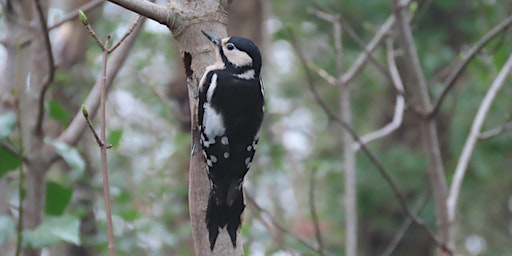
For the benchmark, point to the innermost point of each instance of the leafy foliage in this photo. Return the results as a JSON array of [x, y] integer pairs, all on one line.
[[53, 230], [57, 198]]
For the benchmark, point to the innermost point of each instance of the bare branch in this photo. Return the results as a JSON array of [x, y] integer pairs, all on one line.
[[73, 14], [452, 78], [91, 127], [467, 150], [324, 15], [363, 46], [312, 209], [103, 150], [278, 225], [73, 132], [399, 105], [321, 73], [405, 225], [51, 68], [427, 127], [496, 131], [93, 34], [148, 9], [373, 159], [372, 45], [126, 34]]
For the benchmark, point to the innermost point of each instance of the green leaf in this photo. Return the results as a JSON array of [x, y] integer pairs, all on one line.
[[58, 112], [114, 137], [52, 231], [7, 124], [57, 198], [6, 228], [9, 161], [70, 155]]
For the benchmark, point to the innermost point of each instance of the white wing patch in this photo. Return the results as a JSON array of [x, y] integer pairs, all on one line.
[[211, 89], [213, 125]]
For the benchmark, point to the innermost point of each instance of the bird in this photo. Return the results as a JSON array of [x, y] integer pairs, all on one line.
[[230, 113]]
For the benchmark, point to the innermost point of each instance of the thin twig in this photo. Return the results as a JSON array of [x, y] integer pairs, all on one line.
[[71, 15], [51, 68], [450, 81], [77, 125], [91, 127], [363, 46], [403, 228], [362, 59], [496, 131], [367, 53], [399, 105], [126, 34], [91, 31], [467, 150], [382, 170], [278, 224], [13, 150], [103, 134], [314, 216], [74, 14], [103, 150], [322, 73]]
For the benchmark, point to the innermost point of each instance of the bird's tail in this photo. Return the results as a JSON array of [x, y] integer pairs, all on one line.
[[220, 214]]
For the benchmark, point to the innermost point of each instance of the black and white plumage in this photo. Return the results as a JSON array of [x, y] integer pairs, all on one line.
[[230, 115]]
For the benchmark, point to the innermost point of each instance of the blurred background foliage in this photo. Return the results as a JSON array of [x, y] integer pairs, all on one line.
[[149, 159]]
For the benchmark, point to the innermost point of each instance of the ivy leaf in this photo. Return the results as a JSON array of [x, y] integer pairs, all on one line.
[[114, 137], [57, 198], [58, 112], [70, 155], [52, 231], [10, 161]]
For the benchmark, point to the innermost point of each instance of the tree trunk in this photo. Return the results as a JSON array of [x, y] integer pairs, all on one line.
[[196, 48]]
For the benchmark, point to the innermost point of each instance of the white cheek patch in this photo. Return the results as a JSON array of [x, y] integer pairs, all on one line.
[[238, 58]]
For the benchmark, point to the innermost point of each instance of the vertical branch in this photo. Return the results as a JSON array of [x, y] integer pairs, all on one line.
[[427, 126], [103, 149], [349, 166], [474, 133], [51, 68]]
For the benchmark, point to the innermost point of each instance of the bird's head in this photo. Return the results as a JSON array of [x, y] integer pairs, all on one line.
[[238, 54]]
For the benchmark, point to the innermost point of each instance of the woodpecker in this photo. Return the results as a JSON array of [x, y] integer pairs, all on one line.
[[231, 100]]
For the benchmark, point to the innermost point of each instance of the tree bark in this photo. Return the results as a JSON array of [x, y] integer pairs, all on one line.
[[194, 47]]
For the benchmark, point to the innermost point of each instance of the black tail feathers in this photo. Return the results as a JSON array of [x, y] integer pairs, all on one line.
[[221, 215]]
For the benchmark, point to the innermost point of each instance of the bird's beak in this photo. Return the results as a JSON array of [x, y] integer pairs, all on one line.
[[213, 38]]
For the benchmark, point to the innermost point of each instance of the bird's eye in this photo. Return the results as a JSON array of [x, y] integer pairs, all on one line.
[[230, 46]]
